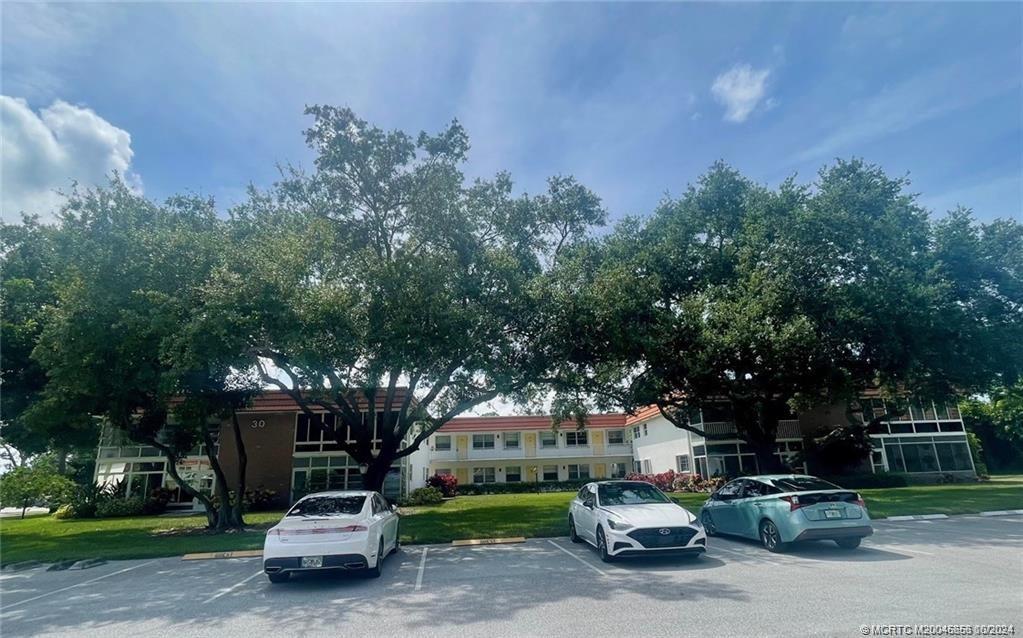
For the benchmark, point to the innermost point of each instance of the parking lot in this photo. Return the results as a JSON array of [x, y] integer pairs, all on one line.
[[963, 570]]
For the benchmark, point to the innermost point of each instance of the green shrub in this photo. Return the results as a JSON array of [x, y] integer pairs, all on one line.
[[425, 496], [64, 511], [116, 506]]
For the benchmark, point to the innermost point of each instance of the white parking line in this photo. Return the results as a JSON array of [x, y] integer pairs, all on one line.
[[422, 567], [228, 590], [84, 582], [599, 571]]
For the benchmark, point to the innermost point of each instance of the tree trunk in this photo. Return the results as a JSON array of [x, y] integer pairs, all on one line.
[[376, 473], [238, 512], [24, 506]]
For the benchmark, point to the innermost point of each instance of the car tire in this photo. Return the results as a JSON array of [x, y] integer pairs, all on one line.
[[279, 577], [374, 572], [397, 540], [708, 524], [770, 537], [602, 547], [572, 536], [848, 543]]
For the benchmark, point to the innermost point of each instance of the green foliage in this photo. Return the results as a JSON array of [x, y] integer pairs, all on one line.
[[774, 300], [997, 421], [477, 489], [37, 484], [838, 450], [425, 496], [111, 507]]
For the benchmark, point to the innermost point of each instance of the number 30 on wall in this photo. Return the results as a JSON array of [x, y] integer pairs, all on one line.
[[258, 423]]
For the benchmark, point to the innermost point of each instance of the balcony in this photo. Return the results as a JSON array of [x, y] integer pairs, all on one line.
[[788, 429]]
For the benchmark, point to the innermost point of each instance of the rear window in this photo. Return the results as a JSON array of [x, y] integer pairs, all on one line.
[[803, 484], [328, 505]]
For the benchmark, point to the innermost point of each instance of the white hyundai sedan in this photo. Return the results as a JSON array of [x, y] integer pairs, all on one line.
[[352, 530], [633, 518]]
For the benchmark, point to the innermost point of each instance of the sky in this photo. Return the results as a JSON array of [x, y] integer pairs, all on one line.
[[635, 100]]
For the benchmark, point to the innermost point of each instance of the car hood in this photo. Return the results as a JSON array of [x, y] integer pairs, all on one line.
[[652, 514]]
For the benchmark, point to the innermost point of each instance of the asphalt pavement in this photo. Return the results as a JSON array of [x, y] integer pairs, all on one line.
[[958, 571]]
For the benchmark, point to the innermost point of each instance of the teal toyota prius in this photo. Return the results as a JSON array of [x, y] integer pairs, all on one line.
[[782, 509]]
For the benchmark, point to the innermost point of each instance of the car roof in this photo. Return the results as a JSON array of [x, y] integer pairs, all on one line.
[[772, 477]]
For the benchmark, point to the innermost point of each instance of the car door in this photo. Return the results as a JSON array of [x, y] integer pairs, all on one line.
[[724, 512], [382, 520], [750, 506], [390, 521], [585, 516]]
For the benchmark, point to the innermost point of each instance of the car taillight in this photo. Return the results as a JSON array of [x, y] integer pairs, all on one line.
[[793, 502], [353, 528]]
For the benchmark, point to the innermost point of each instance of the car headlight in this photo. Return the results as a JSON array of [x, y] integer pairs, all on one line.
[[618, 525], [696, 522]]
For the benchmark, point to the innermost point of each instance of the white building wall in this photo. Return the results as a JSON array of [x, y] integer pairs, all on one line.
[[658, 441]]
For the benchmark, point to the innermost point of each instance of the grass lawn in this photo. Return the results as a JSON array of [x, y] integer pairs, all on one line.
[[533, 515]]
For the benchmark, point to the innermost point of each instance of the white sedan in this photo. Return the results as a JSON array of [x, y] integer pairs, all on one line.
[[352, 530], [632, 518]]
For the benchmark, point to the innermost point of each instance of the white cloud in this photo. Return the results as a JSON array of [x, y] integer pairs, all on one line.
[[740, 89], [44, 153]]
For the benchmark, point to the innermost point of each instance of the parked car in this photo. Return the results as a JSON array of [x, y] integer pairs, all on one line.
[[783, 509], [632, 518], [352, 530]]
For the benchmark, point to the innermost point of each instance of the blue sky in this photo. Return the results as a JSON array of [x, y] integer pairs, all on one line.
[[635, 100]]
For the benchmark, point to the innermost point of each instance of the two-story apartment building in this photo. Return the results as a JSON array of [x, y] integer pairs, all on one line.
[[512, 449], [288, 454], [923, 438]]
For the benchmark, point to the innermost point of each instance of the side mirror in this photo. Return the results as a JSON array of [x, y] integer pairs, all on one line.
[[394, 508], [588, 504]]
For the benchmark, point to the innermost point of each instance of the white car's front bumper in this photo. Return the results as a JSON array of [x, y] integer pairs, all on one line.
[[687, 539]]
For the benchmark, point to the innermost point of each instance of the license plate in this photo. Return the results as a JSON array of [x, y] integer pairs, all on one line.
[[832, 513], [312, 561]]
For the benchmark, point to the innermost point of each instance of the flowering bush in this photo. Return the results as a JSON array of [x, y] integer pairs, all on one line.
[[446, 483], [672, 481]]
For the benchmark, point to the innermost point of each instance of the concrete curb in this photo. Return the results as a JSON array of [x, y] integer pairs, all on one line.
[[916, 517], [1001, 512], [87, 563]]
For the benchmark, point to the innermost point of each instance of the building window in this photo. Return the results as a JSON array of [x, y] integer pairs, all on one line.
[[682, 463], [646, 466], [927, 454], [550, 472], [637, 467], [319, 473], [617, 470], [483, 441], [574, 439], [443, 471], [484, 475], [548, 439], [442, 442], [511, 440], [315, 433], [635, 432], [513, 474], [616, 437], [644, 429], [576, 472]]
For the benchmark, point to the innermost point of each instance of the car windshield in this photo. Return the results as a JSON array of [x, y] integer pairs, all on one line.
[[803, 484], [328, 506], [629, 494]]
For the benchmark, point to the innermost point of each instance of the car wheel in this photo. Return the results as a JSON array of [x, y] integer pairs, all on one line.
[[279, 577], [374, 572], [708, 524], [602, 547], [771, 537], [848, 543], [572, 536]]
